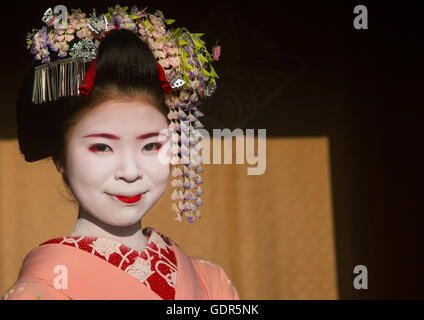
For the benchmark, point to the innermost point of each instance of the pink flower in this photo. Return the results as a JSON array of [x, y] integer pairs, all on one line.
[[174, 61], [164, 63], [84, 33], [155, 21], [69, 38], [59, 38], [159, 46], [170, 51], [151, 43], [70, 30], [159, 54]]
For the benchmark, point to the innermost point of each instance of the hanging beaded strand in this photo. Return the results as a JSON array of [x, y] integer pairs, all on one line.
[[60, 78]]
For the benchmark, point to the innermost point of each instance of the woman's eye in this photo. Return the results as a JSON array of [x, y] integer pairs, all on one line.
[[152, 146], [100, 147]]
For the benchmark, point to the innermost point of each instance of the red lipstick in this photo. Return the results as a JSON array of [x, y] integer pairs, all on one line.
[[130, 199]]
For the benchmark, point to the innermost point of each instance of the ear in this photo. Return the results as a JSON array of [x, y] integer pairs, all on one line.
[[59, 166]]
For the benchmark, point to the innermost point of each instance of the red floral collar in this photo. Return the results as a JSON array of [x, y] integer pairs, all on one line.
[[155, 266]]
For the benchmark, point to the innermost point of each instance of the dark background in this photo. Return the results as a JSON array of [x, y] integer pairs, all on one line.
[[299, 68]]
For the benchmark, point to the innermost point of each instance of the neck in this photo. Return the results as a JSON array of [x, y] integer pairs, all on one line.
[[131, 236]]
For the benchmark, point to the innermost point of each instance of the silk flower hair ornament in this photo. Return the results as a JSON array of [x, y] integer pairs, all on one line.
[[185, 70]]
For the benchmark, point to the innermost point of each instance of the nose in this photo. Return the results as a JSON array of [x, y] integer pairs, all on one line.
[[128, 168]]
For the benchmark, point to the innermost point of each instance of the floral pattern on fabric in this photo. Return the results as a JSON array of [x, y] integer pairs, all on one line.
[[155, 266]]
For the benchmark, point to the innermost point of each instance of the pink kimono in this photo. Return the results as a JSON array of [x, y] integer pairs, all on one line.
[[92, 268]]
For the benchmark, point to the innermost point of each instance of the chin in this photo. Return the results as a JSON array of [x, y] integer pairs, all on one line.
[[125, 221]]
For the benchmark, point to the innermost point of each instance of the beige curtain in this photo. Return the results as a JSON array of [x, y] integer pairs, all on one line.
[[272, 233]]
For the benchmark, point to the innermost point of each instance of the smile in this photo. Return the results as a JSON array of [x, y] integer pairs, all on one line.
[[130, 200]]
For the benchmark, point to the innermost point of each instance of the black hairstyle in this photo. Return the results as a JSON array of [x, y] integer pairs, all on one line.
[[125, 67]]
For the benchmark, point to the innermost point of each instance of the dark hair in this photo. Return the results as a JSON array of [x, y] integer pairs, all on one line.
[[125, 69]]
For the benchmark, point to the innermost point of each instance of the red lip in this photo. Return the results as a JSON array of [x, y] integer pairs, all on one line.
[[129, 199]]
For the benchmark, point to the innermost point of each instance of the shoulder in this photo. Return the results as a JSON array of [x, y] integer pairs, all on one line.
[[215, 280], [32, 289]]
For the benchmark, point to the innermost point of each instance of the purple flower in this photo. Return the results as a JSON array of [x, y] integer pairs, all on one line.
[[185, 152], [199, 202], [194, 100], [117, 20], [186, 184]]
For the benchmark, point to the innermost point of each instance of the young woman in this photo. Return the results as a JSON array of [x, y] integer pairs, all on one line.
[[112, 144]]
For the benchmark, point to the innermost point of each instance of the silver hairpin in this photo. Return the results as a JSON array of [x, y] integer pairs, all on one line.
[[57, 79], [99, 25], [84, 49]]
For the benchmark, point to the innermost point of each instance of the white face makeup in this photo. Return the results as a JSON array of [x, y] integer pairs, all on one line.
[[113, 151]]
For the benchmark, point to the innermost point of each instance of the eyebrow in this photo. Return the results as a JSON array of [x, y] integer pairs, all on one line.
[[113, 137]]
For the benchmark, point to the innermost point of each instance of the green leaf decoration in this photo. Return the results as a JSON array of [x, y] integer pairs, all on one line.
[[187, 80], [134, 17], [109, 17], [147, 24], [186, 65], [213, 73], [169, 21], [202, 58], [205, 72], [197, 42], [174, 33], [182, 42]]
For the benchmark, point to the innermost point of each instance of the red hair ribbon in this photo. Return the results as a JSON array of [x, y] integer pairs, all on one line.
[[166, 87], [89, 79]]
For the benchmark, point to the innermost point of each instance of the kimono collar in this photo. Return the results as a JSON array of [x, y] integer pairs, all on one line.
[[155, 266]]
